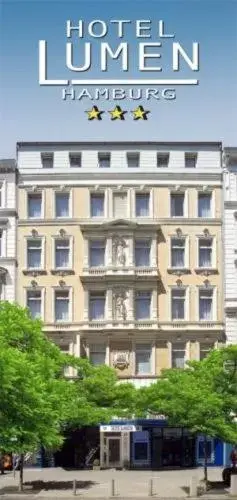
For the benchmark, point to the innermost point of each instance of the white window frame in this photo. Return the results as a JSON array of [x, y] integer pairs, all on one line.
[[185, 207], [89, 241], [136, 348], [3, 187], [186, 303], [214, 303], [70, 303], [75, 154], [90, 351], [162, 154], [35, 193], [103, 154], [175, 348], [66, 192], [141, 291], [3, 242], [188, 155], [212, 209], [37, 289], [186, 251], [99, 193], [70, 260], [33, 238], [45, 155], [147, 239], [214, 250], [105, 306], [133, 154], [150, 207]]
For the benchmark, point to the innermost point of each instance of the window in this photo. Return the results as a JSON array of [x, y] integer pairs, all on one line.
[[204, 351], [97, 305], [104, 160], [133, 160], [120, 205], [1, 195], [178, 252], [204, 204], [47, 160], [142, 204], [97, 253], [34, 205], [97, 205], [62, 204], [142, 253], [190, 160], [205, 304], [143, 359], [34, 303], [75, 160], [61, 305], [142, 305], [97, 354], [205, 252], [62, 253], [178, 356], [177, 205], [178, 303], [162, 160], [34, 254]]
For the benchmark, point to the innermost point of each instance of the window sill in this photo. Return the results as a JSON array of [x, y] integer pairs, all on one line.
[[34, 272], [62, 272], [178, 270], [206, 271]]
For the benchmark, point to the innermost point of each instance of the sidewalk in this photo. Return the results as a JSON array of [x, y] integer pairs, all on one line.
[[58, 483]]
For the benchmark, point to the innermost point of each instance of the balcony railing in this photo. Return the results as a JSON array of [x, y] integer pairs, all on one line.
[[115, 271]]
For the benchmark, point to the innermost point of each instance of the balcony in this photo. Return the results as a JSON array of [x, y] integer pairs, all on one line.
[[109, 273], [114, 324], [191, 325]]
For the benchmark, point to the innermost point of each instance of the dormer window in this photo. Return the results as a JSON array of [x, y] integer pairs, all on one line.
[[133, 160], [104, 160], [47, 160], [162, 160], [75, 160], [190, 160]]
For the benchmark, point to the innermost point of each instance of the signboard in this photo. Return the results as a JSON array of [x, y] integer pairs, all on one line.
[[120, 428]]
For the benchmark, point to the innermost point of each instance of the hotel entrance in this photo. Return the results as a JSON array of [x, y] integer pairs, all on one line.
[[115, 445]]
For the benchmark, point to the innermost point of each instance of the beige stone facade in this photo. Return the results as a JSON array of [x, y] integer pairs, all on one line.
[[137, 283]]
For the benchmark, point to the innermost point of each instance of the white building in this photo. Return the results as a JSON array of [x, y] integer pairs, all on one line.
[[230, 238], [8, 214]]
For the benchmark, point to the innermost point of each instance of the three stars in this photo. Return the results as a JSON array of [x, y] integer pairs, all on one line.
[[117, 113]]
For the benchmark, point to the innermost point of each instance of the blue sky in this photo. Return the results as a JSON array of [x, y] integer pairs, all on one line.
[[30, 112]]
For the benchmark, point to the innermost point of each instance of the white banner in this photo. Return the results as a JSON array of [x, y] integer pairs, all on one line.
[[120, 428]]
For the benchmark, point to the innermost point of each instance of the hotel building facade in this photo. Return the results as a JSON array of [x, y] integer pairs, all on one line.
[[230, 239], [8, 218], [120, 253]]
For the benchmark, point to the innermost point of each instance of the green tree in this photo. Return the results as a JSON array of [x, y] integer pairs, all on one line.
[[202, 397], [36, 401]]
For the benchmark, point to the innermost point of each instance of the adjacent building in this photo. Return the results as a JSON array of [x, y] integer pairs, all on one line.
[[120, 254], [230, 238], [8, 217]]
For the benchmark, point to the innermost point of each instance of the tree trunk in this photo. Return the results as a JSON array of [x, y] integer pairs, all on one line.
[[21, 472], [205, 458]]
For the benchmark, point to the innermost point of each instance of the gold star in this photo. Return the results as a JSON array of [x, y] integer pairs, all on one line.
[[117, 113], [140, 114], [94, 113]]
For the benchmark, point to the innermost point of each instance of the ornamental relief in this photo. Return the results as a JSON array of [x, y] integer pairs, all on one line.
[[121, 359], [120, 304], [119, 249]]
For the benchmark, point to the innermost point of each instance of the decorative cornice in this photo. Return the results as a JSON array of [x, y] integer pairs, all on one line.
[[8, 212], [64, 272], [34, 273], [206, 271]]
